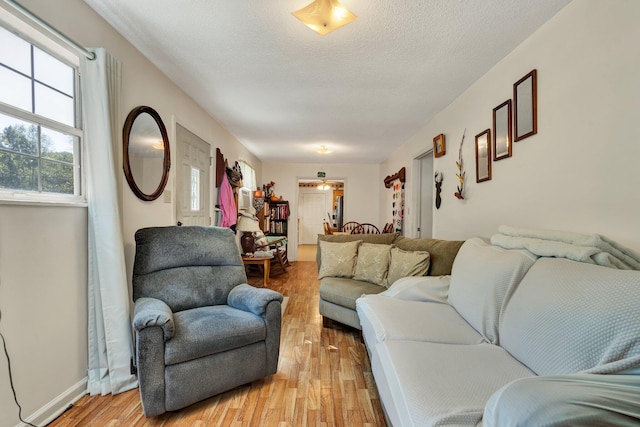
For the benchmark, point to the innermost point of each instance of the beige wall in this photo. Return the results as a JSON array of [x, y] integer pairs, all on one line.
[[580, 172], [43, 259]]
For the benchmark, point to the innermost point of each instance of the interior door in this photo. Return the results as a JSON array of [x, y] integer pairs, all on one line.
[[193, 187], [425, 228], [313, 208]]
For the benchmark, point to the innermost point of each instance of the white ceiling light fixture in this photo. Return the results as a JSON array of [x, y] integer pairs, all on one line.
[[323, 150], [324, 16], [324, 186]]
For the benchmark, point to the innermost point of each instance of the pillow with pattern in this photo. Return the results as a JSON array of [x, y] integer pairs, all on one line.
[[372, 264], [338, 259], [407, 263], [260, 239]]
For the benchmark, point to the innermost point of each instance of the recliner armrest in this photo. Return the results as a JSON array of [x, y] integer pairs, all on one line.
[[150, 312], [255, 300]]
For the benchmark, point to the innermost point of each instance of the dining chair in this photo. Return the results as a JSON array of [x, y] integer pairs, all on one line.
[[388, 228], [348, 227], [367, 228], [327, 228]]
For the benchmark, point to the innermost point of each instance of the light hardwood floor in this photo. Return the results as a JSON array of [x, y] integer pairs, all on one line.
[[324, 378]]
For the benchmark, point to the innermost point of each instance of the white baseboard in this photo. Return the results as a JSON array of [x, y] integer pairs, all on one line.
[[57, 406]]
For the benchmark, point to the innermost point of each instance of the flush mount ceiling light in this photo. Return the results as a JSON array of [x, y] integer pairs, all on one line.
[[323, 150], [324, 186], [324, 16]]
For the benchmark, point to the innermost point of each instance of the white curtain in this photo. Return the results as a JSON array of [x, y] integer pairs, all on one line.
[[110, 338]]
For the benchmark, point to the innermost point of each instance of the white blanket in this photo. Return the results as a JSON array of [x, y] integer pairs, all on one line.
[[589, 248]]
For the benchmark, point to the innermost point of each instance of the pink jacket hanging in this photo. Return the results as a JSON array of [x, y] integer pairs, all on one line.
[[227, 203]]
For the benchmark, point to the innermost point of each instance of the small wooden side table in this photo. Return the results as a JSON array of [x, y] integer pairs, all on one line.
[[264, 262]]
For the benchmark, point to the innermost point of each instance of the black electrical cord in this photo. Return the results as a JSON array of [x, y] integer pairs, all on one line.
[[13, 389]]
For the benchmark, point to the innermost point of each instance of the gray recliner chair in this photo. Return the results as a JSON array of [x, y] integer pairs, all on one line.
[[199, 328]]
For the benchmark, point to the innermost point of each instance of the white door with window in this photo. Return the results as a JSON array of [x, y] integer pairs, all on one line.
[[313, 208], [193, 189]]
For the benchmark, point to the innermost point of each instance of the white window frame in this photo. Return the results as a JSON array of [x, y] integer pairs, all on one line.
[[67, 56], [248, 175]]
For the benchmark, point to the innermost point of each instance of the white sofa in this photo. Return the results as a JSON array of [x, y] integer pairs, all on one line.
[[508, 339]]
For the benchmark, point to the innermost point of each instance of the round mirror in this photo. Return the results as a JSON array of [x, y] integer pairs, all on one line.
[[146, 157]]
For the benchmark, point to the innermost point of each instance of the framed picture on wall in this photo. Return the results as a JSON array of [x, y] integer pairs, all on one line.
[[525, 99], [483, 156], [439, 146], [502, 131]]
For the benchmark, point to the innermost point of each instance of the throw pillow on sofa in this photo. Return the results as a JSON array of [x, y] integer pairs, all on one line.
[[260, 240], [372, 263], [407, 263], [338, 259]]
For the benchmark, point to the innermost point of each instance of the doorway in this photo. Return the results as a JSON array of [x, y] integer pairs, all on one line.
[[424, 196], [193, 187], [316, 200]]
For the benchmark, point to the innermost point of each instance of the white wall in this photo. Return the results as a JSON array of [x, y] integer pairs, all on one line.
[[579, 173], [43, 272], [362, 188]]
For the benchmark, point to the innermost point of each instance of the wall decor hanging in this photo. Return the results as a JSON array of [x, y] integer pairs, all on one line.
[[439, 146], [396, 182], [525, 98], [461, 173], [438, 180], [483, 156], [502, 131]]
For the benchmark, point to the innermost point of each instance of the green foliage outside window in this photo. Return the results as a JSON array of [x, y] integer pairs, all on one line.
[[29, 162]]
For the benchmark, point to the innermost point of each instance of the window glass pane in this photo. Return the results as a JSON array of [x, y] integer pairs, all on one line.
[[195, 189], [57, 177], [56, 145], [54, 105], [15, 89], [52, 71], [15, 52], [18, 172], [18, 135]]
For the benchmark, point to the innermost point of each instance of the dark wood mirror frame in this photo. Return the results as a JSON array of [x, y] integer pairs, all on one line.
[[502, 136], [483, 171], [525, 109], [166, 163]]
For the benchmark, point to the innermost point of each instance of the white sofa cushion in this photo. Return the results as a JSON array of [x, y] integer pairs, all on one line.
[[569, 317], [429, 384], [420, 288], [565, 400], [385, 318], [481, 278]]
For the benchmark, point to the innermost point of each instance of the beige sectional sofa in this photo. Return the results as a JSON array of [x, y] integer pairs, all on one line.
[[338, 294]]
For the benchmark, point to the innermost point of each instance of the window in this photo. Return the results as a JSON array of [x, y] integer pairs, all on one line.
[[248, 175], [195, 189], [40, 132]]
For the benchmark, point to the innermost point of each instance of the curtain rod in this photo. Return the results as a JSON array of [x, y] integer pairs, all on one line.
[[51, 30]]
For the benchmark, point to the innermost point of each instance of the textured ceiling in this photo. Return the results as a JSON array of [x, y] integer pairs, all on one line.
[[362, 91]]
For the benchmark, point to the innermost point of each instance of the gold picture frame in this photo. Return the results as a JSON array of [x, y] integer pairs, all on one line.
[[439, 146]]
